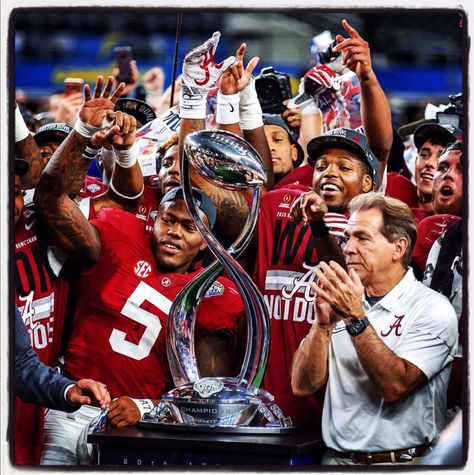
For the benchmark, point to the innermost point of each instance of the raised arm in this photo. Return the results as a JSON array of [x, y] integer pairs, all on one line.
[[27, 149], [67, 167], [310, 208], [239, 111], [126, 183], [375, 109], [200, 73]]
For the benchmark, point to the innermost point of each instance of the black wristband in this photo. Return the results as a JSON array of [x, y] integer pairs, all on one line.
[[319, 229]]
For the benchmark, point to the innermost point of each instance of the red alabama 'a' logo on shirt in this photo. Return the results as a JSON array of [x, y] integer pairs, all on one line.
[[395, 326]]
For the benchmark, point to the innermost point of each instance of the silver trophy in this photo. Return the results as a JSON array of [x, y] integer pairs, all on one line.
[[224, 404]]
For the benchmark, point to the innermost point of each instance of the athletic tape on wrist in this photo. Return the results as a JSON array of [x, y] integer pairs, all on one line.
[[192, 103], [145, 406], [250, 108], [87, 130], [111, 185], [227, 108], [84, 129], [90, 152], [21, 130], [126, 158]]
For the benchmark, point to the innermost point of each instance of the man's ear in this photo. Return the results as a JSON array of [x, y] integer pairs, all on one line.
[[294, 152], [401, 245], [367, 184], [203, 246]]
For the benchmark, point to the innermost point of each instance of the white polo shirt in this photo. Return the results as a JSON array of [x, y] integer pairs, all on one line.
[[419, 325]]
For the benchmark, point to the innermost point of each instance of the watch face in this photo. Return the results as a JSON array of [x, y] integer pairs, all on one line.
[[356, 325]]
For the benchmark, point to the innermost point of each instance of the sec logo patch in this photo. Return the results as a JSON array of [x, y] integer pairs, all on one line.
[[142, 269]]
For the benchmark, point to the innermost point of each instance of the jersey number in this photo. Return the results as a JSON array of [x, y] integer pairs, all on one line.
[[151, 322]]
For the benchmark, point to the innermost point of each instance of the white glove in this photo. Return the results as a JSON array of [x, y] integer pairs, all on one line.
[[200, 73]]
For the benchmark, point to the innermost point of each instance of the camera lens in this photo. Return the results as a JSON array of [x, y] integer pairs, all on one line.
[[267, 91]]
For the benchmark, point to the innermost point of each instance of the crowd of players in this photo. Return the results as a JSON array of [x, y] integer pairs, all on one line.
[[100, 257]]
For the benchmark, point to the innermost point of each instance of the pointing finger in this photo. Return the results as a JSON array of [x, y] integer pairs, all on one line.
[[352, 31]]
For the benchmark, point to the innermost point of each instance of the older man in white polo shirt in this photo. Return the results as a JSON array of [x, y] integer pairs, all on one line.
[[382, 341]]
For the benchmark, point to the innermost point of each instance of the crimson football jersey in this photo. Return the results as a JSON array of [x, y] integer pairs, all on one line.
[[119, 327], [41, 309], [286, 259], [148, 208], [400, 187], [302, 175]]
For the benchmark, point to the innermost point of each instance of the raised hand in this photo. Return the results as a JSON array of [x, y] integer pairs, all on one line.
[[199, 68], [342, 291], [124, 138], [308, 207], [98, 108], [322, 310], [235, 78], [355, 52]]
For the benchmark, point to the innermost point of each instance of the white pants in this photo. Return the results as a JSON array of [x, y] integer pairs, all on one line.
[[65, 436]]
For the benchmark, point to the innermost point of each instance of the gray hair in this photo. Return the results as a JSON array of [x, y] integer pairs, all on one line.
[[398, 221]]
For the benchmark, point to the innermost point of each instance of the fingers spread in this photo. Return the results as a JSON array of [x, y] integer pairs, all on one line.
[[98, 86], [87, 92]]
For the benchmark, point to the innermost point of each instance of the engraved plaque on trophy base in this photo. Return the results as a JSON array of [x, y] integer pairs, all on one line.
[[218, 405]]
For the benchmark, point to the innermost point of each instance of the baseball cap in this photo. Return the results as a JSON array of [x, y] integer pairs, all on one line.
[[54, 132], [444, 132], [21, 167], [142, 111], [276, 119], [202, 201], [348, 139]]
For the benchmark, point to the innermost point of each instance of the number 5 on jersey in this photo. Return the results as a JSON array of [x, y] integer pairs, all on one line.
[[150, 321]]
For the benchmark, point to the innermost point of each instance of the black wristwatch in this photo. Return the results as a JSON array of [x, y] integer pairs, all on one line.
[[357, 325]]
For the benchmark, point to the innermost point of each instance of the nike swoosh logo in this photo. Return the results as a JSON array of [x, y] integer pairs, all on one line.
[[29, 226], [231, 107]]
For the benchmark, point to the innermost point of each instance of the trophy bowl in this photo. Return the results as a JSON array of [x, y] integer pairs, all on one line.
[[225, 159]]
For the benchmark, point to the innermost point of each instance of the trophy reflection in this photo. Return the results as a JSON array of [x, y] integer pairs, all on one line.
[[227, 404]]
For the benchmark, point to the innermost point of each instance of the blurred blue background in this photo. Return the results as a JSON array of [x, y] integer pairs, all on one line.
[[418, 55]]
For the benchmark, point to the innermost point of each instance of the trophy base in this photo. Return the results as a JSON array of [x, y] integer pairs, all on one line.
[[218, 405]]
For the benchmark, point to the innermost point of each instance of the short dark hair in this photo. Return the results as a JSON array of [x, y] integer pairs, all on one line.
[[397, 217]]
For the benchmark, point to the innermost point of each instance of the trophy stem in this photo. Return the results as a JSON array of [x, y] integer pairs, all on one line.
[[257, 344]]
